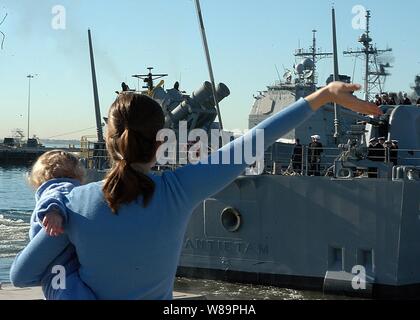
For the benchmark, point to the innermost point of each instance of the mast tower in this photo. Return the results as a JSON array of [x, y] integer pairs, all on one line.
[[375, 71]]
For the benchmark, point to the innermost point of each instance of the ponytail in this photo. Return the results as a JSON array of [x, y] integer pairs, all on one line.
[[134, 121], [123, 184]]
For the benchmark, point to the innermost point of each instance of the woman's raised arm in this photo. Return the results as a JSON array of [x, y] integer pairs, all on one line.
[[202, 180]]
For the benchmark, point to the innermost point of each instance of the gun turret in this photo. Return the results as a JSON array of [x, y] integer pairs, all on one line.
[[199, 110]]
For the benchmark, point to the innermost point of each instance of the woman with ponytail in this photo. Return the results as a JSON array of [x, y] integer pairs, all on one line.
[[128, 229], [133, 124]]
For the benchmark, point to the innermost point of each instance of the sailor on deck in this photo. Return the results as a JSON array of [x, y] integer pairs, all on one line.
[[378, 100], [388, 148], [297, 157], [373, 156], [380, 150], [406, 100], [394, 152], [314, 154], [371, 149]]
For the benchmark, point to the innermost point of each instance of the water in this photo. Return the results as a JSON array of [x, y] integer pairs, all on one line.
[[61, 144], [17, 202]]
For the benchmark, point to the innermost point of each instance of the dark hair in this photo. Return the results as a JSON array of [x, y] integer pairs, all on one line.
[[133, 123]]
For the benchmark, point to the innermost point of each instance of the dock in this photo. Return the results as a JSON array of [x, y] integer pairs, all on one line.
[[26, 155], [8, 292]]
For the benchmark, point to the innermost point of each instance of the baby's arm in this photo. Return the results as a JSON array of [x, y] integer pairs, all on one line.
[[51, 212], [53, 223]]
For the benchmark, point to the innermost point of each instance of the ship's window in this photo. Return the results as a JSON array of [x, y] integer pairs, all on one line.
[[417, 126], [231, 219], [365, 258], [336, 259]]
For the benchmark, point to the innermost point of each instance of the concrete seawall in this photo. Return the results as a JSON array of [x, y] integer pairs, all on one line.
[[8, 292]]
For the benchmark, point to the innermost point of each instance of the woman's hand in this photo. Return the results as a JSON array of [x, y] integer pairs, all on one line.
[[342, 94]]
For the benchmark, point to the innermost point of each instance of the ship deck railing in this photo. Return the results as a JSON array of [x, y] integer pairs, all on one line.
[[285, 163], [274, 163]]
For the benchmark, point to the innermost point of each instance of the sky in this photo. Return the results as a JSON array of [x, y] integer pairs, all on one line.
[[247, 40]]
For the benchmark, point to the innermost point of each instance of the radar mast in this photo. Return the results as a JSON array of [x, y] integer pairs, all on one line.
[[375, 71], [149, 79], [315, 54]]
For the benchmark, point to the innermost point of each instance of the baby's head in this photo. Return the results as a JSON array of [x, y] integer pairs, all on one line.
[[54, 165]]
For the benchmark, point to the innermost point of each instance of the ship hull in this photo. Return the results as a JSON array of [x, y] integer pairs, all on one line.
[[296, 231]]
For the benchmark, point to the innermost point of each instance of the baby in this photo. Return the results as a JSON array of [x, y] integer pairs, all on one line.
[[55, 174]]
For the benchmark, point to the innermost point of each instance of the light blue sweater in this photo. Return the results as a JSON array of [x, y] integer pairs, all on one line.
[[134, 255], [49, 197]]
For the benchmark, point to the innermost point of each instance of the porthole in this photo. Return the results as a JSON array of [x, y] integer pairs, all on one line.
[[231, 219]]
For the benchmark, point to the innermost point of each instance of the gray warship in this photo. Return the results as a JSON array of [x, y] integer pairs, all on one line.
[[343, 231]]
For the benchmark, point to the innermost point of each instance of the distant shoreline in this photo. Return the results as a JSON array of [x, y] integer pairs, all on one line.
[[53, 141]]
